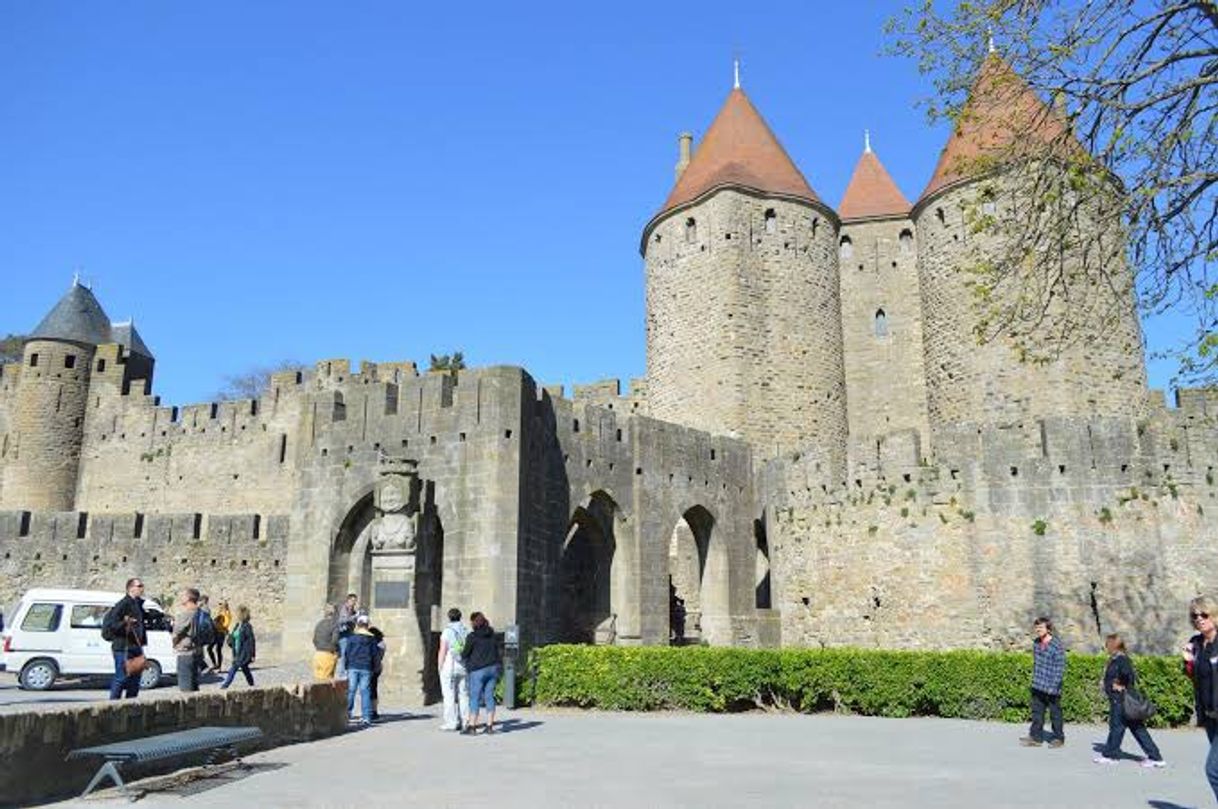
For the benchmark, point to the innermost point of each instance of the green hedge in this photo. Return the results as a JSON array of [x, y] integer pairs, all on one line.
[[963, 684]]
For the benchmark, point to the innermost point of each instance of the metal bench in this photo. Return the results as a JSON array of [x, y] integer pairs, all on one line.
[[165, 745]]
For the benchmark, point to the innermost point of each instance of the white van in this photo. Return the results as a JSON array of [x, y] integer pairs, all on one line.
[[54, 633]]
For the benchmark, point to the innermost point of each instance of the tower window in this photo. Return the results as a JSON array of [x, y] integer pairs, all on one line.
[[906, 241], [771, 220], [940, 216], [881, 323], [847, 247], [34, 360], [691, 230], [69, 361], [101, 366]]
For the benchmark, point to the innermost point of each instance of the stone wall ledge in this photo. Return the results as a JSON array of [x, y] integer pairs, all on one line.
[[34, 744]]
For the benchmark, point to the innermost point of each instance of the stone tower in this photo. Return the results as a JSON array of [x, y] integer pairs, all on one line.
[[881, 306], [50, 404], [743, 328], [969, 384]]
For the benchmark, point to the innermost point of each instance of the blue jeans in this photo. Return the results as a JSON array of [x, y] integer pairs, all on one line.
[[1211, 761], [1116, 731], [342, 652], [359, 680], [482, 688], [122, 681], [232, 672]]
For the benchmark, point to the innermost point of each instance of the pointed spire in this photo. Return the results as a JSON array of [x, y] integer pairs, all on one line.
[[76, 318], [1002, 111], [739, 149], [871, 191]]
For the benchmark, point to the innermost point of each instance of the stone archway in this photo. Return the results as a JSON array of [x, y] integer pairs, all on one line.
[[350, 564], [698, 579], [590, 577]]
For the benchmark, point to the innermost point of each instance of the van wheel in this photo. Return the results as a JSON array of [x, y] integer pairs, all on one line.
[[38, 675], [150, 677]]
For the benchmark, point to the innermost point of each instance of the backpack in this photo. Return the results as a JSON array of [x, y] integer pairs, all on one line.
[[107, 628], [205, 629]]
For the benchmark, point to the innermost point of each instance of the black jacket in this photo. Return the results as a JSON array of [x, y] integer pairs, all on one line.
[[127, 634], [481, 649], [325, 635], [1119, 670], [1205, 679]]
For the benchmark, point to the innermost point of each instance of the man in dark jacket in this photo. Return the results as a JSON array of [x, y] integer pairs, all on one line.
[[361, 656], [325, 645], [124, 625]]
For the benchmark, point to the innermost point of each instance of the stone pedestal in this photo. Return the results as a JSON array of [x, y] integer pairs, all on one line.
[[395, 611]]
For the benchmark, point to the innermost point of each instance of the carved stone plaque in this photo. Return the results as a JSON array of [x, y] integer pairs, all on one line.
[[393, 595]]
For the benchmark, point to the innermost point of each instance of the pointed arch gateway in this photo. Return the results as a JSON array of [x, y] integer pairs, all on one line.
[[697, 580], [592, 574]]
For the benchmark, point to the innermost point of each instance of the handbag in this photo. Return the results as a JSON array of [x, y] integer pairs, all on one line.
[[1137, 707], [135, 665]]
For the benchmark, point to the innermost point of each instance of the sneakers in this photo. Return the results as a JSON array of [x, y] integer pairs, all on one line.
[[1057, 743], [1152, 764], [1104, 760], [1028, 741]]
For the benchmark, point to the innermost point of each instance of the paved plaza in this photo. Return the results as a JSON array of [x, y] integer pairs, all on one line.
[[575, 759]]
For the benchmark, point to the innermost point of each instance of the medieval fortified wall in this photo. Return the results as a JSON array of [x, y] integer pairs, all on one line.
[[819, 454]]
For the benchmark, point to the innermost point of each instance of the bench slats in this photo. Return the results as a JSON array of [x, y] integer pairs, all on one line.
[[166, 745]]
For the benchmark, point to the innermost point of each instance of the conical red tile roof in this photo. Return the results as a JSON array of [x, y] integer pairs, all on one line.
[[739, 149], [1000, 107], [872, 192]]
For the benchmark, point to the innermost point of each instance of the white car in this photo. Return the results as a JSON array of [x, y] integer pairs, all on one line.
[[54, 633]]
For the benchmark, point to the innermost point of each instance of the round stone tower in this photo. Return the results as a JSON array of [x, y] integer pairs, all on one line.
[[48, 409], [743, 328], [1099, 373]]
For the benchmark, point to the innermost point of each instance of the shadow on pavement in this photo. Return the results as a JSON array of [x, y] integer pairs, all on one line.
[[1168, 805], [513, 725], [195, 782], [1099, 748]]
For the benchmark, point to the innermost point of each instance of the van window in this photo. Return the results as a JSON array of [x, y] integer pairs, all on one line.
[[42, 618], [88, 616]]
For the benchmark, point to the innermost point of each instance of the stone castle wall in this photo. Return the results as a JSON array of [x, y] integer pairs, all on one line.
[[1104, 524], [882, 329], [968, 383], [240, 557], [744, 323]]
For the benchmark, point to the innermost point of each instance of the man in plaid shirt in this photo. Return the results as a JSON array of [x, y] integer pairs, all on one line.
[[1048, 671]]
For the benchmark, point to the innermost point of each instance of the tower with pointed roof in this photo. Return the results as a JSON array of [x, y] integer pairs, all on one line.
[[73, 348], [743, 328], [881, 308], [1099, 373]]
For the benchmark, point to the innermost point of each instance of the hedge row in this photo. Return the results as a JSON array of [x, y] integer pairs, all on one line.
[[961, 684]]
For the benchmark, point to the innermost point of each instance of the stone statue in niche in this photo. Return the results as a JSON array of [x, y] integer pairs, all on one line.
[[397, 509]]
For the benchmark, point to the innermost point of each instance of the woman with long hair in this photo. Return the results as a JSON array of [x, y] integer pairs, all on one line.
[[241, 639], [1119, 676]]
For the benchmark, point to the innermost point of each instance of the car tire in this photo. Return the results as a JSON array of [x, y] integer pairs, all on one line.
[[38, 675], [150, 677]]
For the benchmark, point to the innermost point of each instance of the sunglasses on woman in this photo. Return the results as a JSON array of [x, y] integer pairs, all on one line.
[[1196, 616]]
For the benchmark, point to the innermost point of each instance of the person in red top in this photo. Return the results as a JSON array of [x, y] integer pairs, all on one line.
[[1201, 665]]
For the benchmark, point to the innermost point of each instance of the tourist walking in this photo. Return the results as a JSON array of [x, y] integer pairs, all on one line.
[[1119, 677], [359, 656], [325, 644], [454, 685], [1048, 672], [123, 626], [346, 626], [481, 656], [1201, 665], [244, 647], [185, 629], [222, 620]]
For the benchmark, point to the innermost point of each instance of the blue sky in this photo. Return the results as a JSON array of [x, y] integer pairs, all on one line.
[[385, 180]]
